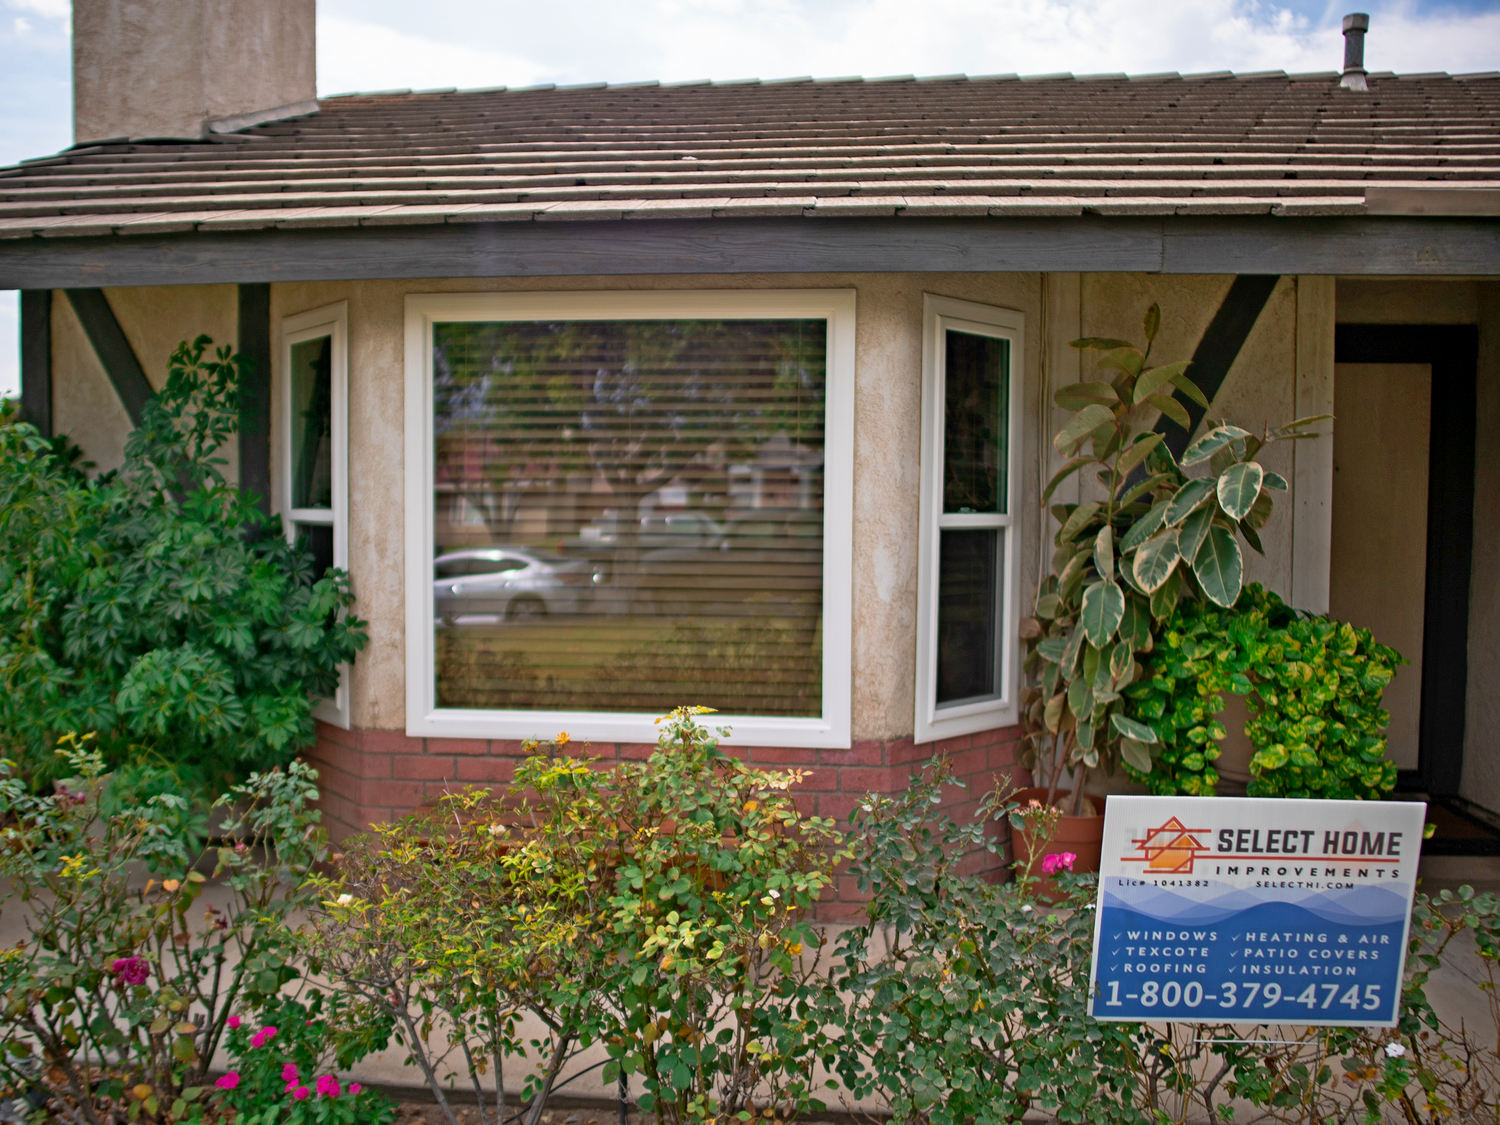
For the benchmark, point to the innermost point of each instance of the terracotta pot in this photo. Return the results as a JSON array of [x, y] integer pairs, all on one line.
[[1081, 835]]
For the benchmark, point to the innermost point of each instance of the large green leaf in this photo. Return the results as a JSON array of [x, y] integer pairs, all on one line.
[[1164, 597], [1081, 425], [1145, 527], [1194, 530], [1155, 560], [1239, 487], [1104, 552], [1135, 755], [1209, 443], [1138, 451], [1135, 625], [1075, 396], [1131, 728], [1077, 520], [1069, 468], [1219, 567], [1128, 359], [1172, 409], [1103, 607], [1276, 481], [1189, 496], [1259, 512], [1185, 384], [1154, 379]]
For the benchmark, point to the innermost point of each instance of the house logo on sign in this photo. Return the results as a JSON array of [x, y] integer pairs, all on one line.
[[1170, 849]]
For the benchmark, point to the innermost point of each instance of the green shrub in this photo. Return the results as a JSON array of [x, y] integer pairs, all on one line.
[[961, 1000], [112, 1005], [157, 606], [1312, 686], [657, 907]]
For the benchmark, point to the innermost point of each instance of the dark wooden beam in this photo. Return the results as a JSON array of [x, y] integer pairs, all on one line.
[[36, 358], [114, 351], [1221, 343], [255, 392], [1231, 244]]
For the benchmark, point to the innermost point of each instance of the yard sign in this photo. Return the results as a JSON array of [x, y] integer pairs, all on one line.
[[1247, 910]]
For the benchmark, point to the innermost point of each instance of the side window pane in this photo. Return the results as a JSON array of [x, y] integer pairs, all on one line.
[[977, 398], [317, 538], [311, 382], [968, 584], [662, 482]]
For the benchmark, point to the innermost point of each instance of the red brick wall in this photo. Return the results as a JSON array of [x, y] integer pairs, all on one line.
[[369, 776]]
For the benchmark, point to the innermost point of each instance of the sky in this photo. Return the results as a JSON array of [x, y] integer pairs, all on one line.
[[394, 44]]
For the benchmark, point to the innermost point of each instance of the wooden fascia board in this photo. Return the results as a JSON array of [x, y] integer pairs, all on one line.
[[1233, 244]]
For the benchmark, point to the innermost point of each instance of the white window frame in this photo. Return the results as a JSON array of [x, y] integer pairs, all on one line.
[[423, 716], [331, 321], [931, 721]]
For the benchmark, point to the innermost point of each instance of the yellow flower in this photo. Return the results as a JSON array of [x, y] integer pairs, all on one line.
[[562, 738]]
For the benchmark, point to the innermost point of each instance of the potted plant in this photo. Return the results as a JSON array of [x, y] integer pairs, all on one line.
[[1151, 531]]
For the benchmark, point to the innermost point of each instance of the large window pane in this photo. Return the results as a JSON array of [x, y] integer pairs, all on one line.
[[312, 423], [975, 423], [628, 515], [968, 665]]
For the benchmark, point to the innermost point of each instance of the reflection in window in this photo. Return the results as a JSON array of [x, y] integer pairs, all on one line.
[[643, 502]]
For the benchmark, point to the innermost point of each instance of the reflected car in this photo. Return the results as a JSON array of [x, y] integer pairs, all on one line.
[[509, 583]]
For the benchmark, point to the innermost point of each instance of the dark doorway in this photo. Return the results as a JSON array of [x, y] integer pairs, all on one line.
[[1450, 353]]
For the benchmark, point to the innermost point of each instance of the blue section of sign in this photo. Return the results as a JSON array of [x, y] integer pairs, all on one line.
[[1240, 957]]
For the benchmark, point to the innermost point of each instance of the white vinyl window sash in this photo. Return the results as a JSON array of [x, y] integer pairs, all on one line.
[[968, 541], [622, 502], [313, 419]]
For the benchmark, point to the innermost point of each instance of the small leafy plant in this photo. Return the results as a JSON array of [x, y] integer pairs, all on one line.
[[1146, 535], [157, 606], [1313, 687], [114, 1002]]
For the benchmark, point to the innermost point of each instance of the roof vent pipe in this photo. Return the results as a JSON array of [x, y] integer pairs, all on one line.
[[1355, 26]]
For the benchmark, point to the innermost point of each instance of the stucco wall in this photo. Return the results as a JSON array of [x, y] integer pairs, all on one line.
[[162, 68], [84, 403]]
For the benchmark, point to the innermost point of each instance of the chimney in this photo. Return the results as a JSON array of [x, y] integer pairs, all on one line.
[[1355, 26], [179, 68]]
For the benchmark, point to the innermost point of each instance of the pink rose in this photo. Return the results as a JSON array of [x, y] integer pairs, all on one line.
[[263, 1036], [1058, 861], [229, 1081], [301, 1092], [289, 1073], [130, 970], [328, 1086], [354, 1088], [233, 1022]]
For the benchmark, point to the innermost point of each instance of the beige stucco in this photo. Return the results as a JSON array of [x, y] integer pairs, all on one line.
[[165, 68], [84, 403]]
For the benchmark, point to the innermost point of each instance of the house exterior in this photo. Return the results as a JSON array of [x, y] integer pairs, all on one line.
[[752, 379]]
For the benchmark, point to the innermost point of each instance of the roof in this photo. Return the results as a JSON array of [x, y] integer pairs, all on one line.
[[1212, 145]]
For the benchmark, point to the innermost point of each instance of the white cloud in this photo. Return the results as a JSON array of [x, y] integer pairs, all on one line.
[[356, 55], [21, 24], [456, 43], [47, 9]]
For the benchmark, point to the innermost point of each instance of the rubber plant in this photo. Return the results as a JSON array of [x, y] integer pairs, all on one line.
[[1150, 530]]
